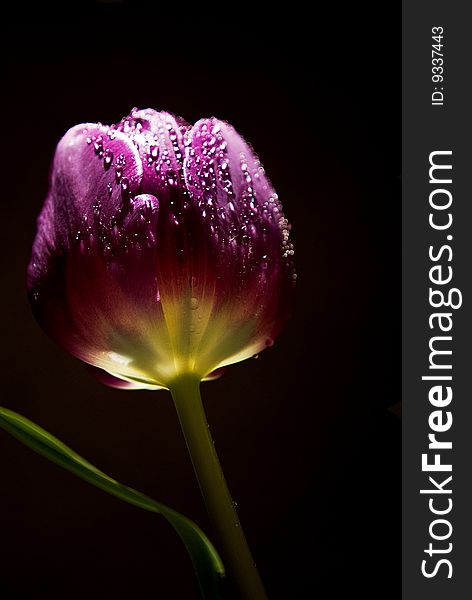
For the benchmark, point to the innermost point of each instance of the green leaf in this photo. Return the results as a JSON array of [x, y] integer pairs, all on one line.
[[207, 564]]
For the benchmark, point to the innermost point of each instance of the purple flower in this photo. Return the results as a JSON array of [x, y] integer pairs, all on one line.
[[161, 250]]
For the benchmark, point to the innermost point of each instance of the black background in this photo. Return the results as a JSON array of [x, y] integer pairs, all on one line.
[[309, 447]]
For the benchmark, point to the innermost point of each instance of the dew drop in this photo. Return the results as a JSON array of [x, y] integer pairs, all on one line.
[[97, 206], [118, 174], [107, 161], [98, 146], [125, 186], [170, 176], [194, 303]]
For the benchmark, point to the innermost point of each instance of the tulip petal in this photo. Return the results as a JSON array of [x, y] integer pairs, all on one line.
[[216, 374], [86, 194], [117, 382], [93, 262], [251, 235], [159, 139]]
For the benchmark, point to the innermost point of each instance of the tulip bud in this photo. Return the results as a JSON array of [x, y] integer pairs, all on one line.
[[162, 250]]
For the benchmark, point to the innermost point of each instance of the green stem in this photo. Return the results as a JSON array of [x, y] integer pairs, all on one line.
[[236, 554]]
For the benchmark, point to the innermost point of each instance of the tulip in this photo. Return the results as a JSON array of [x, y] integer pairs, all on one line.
[[162, 255]]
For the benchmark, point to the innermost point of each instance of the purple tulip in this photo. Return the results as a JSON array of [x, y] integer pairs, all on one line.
[[161, 250], [162, 255]]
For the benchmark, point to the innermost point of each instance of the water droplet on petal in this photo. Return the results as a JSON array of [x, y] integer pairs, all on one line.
[[125, 186], [98, 146], [170, 176], [194, 303], [97, 206], [107, 161]]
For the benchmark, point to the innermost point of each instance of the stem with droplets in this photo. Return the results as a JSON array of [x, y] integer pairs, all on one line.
[[235, 550]]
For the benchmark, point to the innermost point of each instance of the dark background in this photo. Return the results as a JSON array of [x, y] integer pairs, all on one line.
[[309, 446]]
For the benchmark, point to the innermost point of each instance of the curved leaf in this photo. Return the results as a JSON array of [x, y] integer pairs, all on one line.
[[207, 564]]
